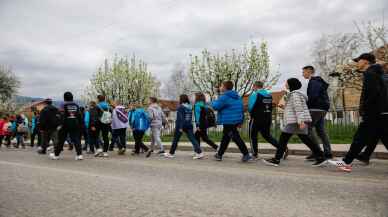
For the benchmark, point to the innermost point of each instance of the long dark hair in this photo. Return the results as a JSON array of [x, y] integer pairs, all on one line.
[[200, 97], [184, 99]]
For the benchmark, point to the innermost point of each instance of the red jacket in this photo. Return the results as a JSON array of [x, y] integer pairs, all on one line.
[[2, 123]]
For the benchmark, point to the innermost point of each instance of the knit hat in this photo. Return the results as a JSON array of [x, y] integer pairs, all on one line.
[[294, 84]]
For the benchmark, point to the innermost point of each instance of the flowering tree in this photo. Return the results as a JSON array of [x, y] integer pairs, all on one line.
[[128, 81], [208, 71]]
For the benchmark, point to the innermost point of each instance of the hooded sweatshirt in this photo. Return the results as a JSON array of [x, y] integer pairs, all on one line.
[[156, 115], [373, 93], [184, 117], [230, 108], [296, 110], [318, 99], [119, 118], [198, 112]]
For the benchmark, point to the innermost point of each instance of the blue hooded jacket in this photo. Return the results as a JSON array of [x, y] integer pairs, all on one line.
[[252, 98], [33, 123], [103, 105], [230, 108], [197, 111]]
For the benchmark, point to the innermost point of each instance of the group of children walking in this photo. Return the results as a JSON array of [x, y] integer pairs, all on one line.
[[304, 111]]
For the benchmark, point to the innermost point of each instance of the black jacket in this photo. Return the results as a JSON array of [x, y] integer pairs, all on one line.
[[385, 108], [373, 94], [49, 118], [72, 117], [93, 116], [317, 94]]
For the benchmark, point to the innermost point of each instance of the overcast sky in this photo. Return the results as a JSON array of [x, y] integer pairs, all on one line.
[[54, 46]]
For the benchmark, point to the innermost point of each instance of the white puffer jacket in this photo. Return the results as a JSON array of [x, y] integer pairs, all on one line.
[[296, 110]]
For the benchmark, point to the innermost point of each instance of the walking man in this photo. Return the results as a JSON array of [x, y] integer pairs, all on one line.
[[318, 103], [372, 110]]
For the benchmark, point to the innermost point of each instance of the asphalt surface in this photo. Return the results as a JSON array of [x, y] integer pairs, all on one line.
[[34, 186]]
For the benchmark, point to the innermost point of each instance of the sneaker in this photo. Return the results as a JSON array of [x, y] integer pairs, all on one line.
[[98, 153], [79, 157], [50, 148], [255, 157], [90, 152], [320, 162], [198, 156], [105, 154], [310, 158], [246, 158], [161, 152], [271, 162], [341, 165], [286, 152], [149, 152], [53, 157], [121, 152], [363, 160], [168, 155], [217, 157], [41, 151]]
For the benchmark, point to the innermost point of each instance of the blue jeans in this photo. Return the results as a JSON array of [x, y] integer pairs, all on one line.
[[190, 136]]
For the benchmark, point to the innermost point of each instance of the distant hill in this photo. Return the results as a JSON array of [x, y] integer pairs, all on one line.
[[23, 100]]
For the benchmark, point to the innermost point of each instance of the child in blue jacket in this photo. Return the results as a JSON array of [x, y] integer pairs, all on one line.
[[184, 123]]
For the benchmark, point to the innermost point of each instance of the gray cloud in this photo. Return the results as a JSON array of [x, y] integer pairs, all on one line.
[[55, 46]]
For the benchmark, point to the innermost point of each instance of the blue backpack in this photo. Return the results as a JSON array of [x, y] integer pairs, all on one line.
[[141, 121]]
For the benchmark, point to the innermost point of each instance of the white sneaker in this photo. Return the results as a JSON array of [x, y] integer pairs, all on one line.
[[341, 165], [168, 155], [105, 154], [53, 157], [198, 156], [79, 157], [98, 153], [50, 148]]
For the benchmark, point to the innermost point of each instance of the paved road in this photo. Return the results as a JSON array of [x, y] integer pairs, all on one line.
[[32, 185]]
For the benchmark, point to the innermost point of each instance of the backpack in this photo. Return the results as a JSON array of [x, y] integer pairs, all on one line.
[[210, 117], [120, 113], [141, 122], [106, 117]]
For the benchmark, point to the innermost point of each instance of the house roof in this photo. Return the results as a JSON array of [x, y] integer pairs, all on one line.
[[32, 104]]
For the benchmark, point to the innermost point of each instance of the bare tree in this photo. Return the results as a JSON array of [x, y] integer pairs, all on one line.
[[178, 83]]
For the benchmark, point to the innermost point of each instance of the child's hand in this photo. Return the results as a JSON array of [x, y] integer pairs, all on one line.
[[302, 125]]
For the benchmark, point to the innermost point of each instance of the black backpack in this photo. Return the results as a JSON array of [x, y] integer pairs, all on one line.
[[210, 117]]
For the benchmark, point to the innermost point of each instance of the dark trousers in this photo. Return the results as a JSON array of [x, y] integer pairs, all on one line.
[[382, 134], [265, 129], [190, 136], [34, 134], [104, 129], [120, 137], [230, 132], [47, 136], [306, 139], [138, 136], [202, 134], [93, 140], [1, 140], [8, 139], [74, 135], [318, 122], [85, 136], [113, 141]]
